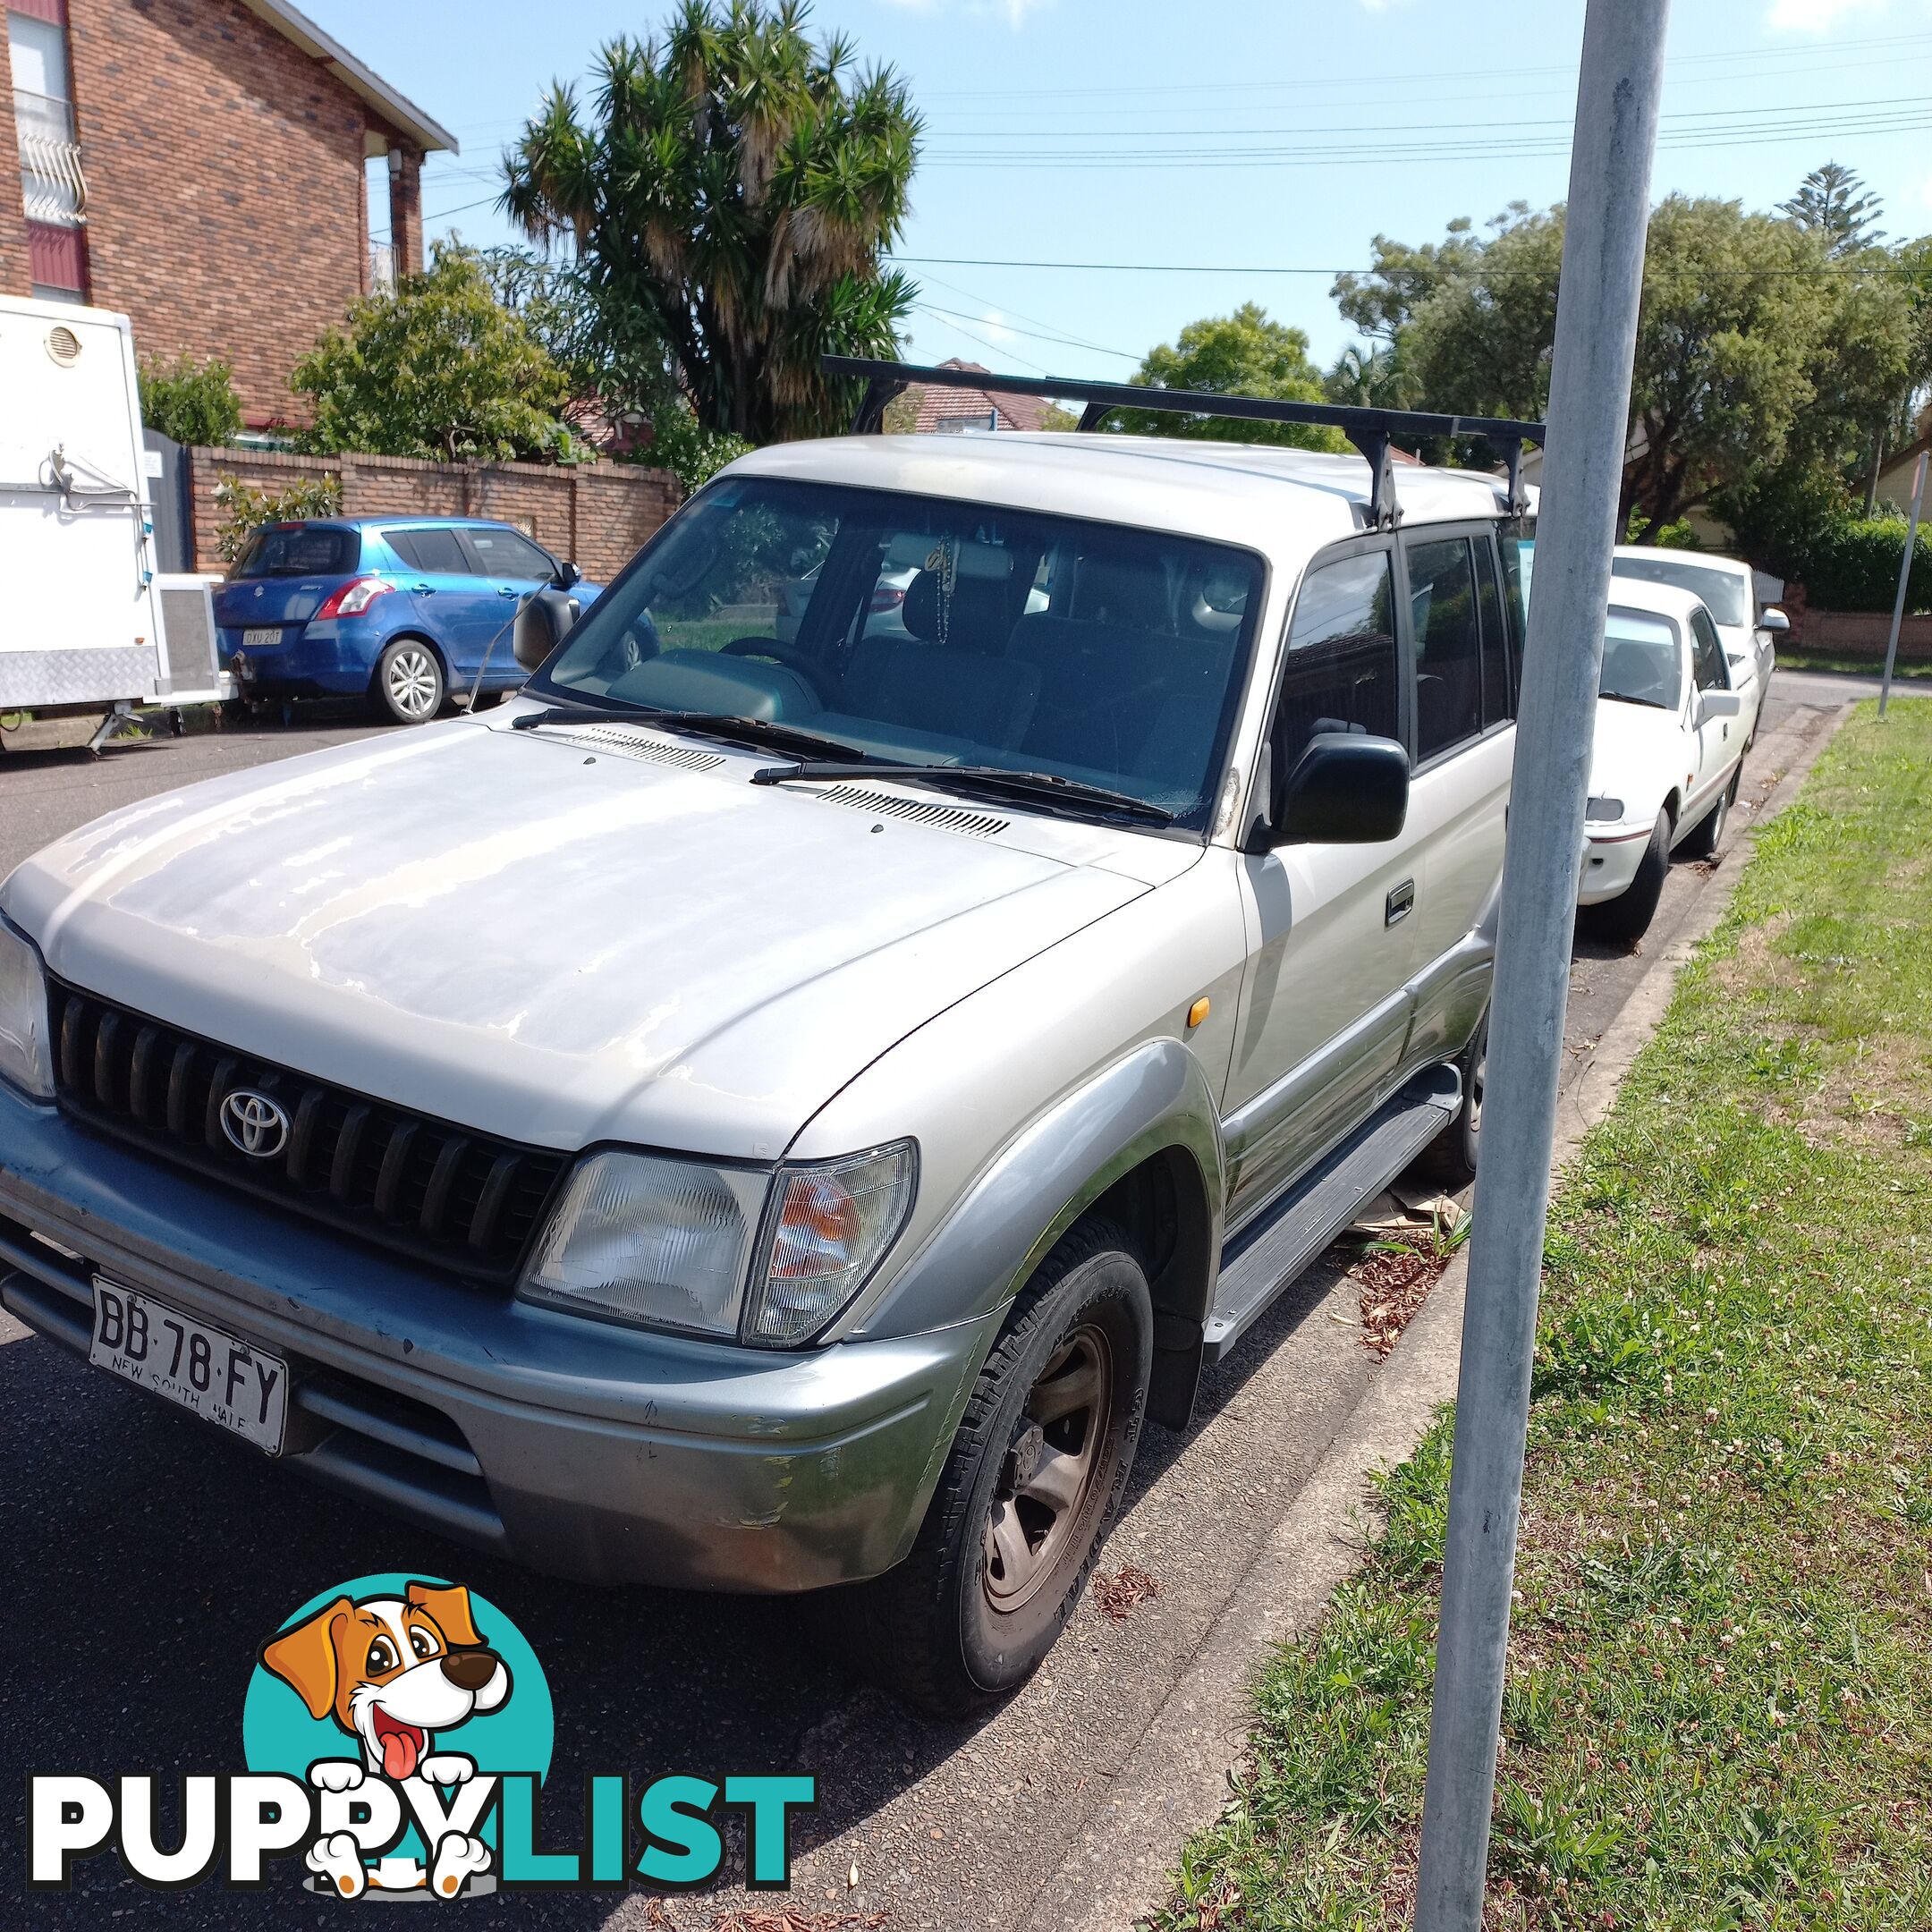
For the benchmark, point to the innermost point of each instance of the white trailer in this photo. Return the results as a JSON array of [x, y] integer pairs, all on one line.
[[81, 619]]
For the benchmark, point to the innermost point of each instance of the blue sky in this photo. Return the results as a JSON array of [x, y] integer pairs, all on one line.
[[1229, 137]]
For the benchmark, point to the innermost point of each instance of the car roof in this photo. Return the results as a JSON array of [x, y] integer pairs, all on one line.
[[1651, 554], [1657, 599], [1269, 498]]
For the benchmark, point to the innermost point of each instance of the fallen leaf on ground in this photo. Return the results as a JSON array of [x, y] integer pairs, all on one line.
[[1114, 1597]]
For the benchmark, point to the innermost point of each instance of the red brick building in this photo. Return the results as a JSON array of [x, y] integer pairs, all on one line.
[[940, 412], [202, 166]]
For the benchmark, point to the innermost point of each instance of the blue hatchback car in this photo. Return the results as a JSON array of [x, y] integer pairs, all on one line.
[[403, 610]]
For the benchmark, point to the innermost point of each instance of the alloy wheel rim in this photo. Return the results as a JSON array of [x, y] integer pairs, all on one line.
[[1048, 1473], [412, 682]]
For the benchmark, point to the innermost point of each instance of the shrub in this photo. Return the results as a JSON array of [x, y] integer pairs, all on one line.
[[1852, 563], [245, 509], [194, 402]]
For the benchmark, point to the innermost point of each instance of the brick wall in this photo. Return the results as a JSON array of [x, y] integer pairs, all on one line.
[[596, 514], [1860, 634], [224, 171]]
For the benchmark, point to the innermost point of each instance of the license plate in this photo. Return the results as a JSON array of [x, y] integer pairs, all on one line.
[[224, 1379], [264, 639]]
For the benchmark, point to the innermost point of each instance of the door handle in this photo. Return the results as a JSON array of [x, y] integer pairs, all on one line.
[[423, 589], [1399, 902], [506, 590]]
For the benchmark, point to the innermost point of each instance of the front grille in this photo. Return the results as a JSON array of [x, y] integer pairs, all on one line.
[[436, 1192]]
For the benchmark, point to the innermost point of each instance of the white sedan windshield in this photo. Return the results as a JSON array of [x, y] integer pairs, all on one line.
[[1642, 663]]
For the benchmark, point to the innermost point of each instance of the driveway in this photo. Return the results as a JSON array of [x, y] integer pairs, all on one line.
[[158, 1556]]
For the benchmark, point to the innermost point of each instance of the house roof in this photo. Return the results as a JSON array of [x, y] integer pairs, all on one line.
[[938, 405], [402, 114]]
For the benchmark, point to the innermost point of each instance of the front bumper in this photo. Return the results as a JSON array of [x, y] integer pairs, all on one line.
[[1610, 861], [574, 1446]]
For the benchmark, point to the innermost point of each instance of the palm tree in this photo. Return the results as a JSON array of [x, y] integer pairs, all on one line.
[[733, 191]]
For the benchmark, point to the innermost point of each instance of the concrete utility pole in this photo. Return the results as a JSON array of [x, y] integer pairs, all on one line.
[[1905, 565], [1618, 91]]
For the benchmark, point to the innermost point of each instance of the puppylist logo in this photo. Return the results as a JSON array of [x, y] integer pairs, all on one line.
[[396, 1732]]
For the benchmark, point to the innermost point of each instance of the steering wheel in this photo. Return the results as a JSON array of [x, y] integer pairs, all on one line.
[[802, 664]]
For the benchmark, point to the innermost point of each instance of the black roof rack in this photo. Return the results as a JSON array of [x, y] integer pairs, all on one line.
[[1370, 430]]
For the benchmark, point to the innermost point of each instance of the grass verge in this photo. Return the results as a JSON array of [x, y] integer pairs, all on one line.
[[1796, 657], [1719, 1704]]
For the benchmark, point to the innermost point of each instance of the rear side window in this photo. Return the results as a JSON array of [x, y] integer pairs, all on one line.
[[430, 550], [510, 558], [1340, 672], [1498, 685], [301, 550], [1448, 647]]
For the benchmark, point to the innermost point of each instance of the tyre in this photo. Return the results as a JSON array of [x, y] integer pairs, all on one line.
[[1702, 841], [1035, 1476], [1628, 916], [1449, 1160], [408, 687]]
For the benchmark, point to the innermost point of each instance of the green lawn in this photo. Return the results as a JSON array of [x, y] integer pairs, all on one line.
[[1719, 1708], [1796, 657]]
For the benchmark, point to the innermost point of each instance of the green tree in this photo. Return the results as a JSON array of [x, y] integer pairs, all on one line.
[[438, 369], [1760, 360], [1831, 203], [1240, 354], [194, 402], [731, 194]]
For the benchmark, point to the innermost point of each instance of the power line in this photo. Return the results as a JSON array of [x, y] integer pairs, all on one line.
[[1360, 269], [1065, 342]]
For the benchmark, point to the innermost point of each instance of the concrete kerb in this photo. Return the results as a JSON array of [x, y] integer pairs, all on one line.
[[1176, 1778]]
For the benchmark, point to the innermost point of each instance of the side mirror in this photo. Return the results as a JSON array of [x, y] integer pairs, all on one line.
[[1717, 704], [1345, 789], [533, 639], [1771, 618], [567, 574]]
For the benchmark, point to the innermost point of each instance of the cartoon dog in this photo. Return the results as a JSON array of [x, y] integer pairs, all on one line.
[[392, 1671]]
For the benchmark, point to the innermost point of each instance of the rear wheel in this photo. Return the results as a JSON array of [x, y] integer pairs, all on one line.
[[1035, 1474], [1628, 916], [408, 687]]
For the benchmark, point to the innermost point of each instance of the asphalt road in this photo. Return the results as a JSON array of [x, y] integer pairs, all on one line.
[[146, 1557]]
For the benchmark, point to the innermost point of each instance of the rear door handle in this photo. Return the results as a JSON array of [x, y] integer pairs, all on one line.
[[1399, 902], [424, 589], [507, 590]]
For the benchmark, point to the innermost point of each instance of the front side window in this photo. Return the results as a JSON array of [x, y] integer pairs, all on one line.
[[929, 631], [1641, 660], [1448, 646], [507, 558], [1706, 653], [1341, 671]]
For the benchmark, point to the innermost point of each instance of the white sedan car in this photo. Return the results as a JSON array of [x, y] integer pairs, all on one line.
[[1727, 589], [1670, 738]]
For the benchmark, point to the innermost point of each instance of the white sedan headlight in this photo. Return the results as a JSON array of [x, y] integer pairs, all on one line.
[[668, 1243], [25, 1053], [1603, 810]]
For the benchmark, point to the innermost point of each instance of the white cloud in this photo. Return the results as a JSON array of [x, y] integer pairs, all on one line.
[[1817, 16]]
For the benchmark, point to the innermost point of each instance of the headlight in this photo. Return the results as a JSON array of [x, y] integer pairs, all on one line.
[[26, 1055], [1599, 810], [829, 1227], [638, 1239]]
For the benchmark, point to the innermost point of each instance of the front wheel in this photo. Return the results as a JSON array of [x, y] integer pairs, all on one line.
[[1628, 916], [408, 687], [1035, 1476]]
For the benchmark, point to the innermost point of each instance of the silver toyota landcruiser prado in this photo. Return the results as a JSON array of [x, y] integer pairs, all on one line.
[[778, 1104]]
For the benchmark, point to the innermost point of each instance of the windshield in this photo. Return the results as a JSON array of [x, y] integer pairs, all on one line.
[[1727, 597], [300, 550], [1641, 662], [927, 630]]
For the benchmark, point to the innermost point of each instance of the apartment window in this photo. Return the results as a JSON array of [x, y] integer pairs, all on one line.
[[53, 189]]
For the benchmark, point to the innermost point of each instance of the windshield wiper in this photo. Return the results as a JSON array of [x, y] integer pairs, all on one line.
[[1650, 704], [1046, 786], [757, 734]]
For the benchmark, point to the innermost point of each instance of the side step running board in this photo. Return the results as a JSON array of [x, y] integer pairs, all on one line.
[[1275, 1248]]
